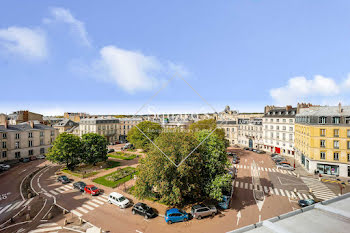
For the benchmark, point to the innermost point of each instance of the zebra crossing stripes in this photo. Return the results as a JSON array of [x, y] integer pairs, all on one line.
[[53, 192], [267, 169], [287, 193], [282, 193], [88, 206], [92, 204], [14, 206], [320, 190], [47, 227], [5, 208], [81, 209], [76, 213]]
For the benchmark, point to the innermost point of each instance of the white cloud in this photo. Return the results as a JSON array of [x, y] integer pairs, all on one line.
[[302, 89], [29, 43], [131, 70], [347, 84], [65, 16]]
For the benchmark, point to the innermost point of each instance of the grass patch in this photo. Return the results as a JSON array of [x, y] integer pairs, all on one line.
[[80, 175], [116, 178], [152, 196], [112, 164], [123, 156]]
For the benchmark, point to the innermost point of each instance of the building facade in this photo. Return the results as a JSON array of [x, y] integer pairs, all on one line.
[[124, 126], [231, 130], [250, 132], [25, 140], [322, 139], [65, 125]]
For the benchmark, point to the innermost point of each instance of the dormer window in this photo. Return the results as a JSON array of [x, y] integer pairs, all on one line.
[[336, 120], [322, 120], [347, 120]]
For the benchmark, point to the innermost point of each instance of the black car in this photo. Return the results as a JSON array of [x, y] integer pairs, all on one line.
[[79, 185], [307, 202], [274, 155], [144, 210], [110, 150], [63, 179]]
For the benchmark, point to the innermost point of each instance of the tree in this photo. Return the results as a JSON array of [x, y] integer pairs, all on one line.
[[209, 124], [151, 129], [66, 149], [158, 175], [94, 148]]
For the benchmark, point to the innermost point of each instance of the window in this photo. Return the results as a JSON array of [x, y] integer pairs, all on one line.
[[41, 141], [347, 120], [348, 133], [30, 135], [323, 143], [17, 155], [322, 120], [30, 152], [336, 133], [290, 128], [17, 135], [284, 128], [336, 144], [290, 120], [348, 157], [52, 133], [336, 156], [323, 155], [4, 135], [4, 154], [30, 143], [3, 145], [336, 120], [41, 134], [42, 150], [322, 132], [277, 120], [284, 120], [16, 145], [348, 143]]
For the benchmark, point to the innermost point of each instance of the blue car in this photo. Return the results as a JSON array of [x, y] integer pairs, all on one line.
[[175, 215]]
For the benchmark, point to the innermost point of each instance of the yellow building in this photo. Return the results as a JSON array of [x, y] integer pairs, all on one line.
[[322, 139]]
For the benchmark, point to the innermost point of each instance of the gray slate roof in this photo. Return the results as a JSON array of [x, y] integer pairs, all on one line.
[[24, 127], [325, 111]]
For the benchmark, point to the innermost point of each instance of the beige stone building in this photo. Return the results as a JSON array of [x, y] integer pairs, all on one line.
[[25, 140], [20, 117], [250, 132], [65, 125]]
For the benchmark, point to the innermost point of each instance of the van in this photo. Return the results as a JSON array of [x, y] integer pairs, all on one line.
[[118, 199]]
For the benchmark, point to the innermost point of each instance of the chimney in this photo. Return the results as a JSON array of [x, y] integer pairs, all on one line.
[[340, 109], [6, 124], [288, 107], [31, 124]]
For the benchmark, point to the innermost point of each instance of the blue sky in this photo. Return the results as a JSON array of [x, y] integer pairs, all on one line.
[[111, 56]]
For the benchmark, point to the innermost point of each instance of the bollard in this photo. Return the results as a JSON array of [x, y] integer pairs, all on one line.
[[29, 195], [298, 175], [81, 221], [49, 216], [64, 211], [319, 178], [295, 190], [310, 190], [65, 222], [27, 217]]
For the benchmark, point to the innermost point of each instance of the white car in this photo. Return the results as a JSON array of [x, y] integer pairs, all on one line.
[[4, 167], [285, 167], [40, 156], [118, 199]]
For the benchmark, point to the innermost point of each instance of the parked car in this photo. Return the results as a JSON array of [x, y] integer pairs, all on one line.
[[175, 215], [278, 158], [285, 163], [25, 160], [40, 156], [278, 161], [306, 202], [273, 155], [4, 167], [110, 150], [118, 199], [285, 167], [128, 146], [91, 189], [200, 211], [79, 185], [261, 152], [144, 210], [251, 149], [224, 204], [235, 161], [246, 148], [63, 179], [254, 150]]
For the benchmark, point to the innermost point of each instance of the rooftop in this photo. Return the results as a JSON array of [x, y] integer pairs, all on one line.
[[326, 111], [24, 127]]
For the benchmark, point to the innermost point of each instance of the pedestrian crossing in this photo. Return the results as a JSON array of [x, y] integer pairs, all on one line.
[[14, 206], [47, 227], [61, 189], [90, 205], [320, 190], [266, 169], [273, 191]]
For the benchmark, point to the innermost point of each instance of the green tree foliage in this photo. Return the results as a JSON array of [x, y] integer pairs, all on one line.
[[66, 149], [209, 124], [94, 148], [202, 175], [151, 129], [172, 184]]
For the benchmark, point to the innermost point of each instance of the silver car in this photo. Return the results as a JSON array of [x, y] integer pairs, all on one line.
[[200, 211], [285, 167]]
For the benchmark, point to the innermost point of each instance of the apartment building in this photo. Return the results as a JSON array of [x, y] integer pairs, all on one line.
[[231, 130], [250, 132], [322, 139], [124, 126], [25, 140], [65, 125], [20, 117]]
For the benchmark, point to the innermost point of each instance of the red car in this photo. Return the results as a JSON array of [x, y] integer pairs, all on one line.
[[91, 189]]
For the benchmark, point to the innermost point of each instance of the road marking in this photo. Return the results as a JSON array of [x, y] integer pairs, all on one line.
[[293, 195], [276, 191], [255, 186], [237, 183], [289, 172], [76, 213], [241, 185], [46, 229], [48, 225], [83, 210], [138, 231], [93, 204], [69, 186], [281, 191], [64, 188], [102, 199], [48, 194], [304, 195], [300, 197], [251, 186], [273, 170], [259, 218], [53, 192], [5, 208], [88, 207], [294, 173], [246, 185], [266, 189], [269, 169], [59, 190], [311, 197], [287, 193], [20, 204], [29, 201], [97, 201], [244, 167], [238, 216], [259, 168], [13, 206], [260, 187], [271, 190]]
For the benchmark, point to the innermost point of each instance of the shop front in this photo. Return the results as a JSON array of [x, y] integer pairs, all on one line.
[[328, 169], [277, 150]]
